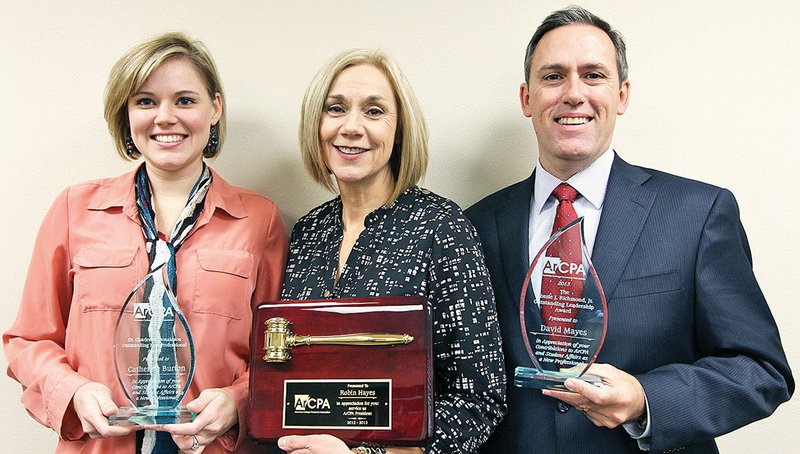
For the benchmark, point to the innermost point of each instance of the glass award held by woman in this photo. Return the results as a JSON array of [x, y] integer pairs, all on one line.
[[153, 354]]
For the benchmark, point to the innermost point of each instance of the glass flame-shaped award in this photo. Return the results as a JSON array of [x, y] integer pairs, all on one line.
[[564, 323], [153, 354]]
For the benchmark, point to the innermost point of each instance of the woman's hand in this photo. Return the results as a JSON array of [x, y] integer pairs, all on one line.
[[313, 444], [216, 414], [327, 444], [93, 404]]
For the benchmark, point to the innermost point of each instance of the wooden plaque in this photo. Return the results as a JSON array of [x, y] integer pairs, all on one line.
[[381, 394]]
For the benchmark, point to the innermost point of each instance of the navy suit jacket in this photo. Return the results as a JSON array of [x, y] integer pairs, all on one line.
[[686, 316]]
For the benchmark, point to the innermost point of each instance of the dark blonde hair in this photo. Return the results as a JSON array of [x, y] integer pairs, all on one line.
[[132, 70], [410, 153]]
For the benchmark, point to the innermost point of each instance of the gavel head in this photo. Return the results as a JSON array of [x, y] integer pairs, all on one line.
[[276, 342]]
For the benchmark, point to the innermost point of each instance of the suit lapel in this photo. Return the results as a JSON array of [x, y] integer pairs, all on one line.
[[512, 221], [625, 209]]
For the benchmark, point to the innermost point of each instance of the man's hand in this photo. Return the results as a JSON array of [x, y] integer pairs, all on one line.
[[619, 400]]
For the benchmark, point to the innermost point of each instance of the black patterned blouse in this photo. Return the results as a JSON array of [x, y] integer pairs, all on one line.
[[420, 245]]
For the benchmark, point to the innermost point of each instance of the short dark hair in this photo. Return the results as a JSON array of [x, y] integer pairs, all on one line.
[[577, 15]]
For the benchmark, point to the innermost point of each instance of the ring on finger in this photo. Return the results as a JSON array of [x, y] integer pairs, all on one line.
[[195, 443]]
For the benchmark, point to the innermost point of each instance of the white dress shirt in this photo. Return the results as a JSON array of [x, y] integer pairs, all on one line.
[[591, 184]]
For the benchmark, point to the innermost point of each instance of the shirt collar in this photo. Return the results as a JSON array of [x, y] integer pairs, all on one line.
[[590, 182], [405, 199], [119, 192], [225, 197], [116, 192]]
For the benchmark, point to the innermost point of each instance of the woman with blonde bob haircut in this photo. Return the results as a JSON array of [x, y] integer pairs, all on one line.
[[409, 155], [384, 236], [131, 71], [223, 249]]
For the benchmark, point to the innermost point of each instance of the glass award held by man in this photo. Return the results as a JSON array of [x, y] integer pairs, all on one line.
[[564, 321], [153, 354]]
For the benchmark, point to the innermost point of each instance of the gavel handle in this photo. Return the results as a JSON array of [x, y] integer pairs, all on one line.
[[278, 339], [350, 339]]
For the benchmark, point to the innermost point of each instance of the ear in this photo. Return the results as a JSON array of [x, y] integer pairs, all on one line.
[[524, 100], [216, 108], [624, 97]]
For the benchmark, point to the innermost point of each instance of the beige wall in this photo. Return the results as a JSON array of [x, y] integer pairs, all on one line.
[[714, 97]]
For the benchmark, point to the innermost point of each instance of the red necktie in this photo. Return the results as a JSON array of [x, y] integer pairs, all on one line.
[[559, 288]]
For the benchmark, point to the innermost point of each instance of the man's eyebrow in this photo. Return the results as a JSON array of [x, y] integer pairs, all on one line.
[[600, 66], [584, 67], [551, 67]]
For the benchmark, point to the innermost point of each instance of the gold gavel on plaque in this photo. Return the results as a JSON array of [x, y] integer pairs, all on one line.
[[278, 340]]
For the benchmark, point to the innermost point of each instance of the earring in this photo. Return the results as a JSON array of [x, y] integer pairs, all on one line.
[[213, 143], [130, 146]]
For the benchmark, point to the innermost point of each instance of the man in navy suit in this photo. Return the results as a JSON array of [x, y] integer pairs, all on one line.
[[692, 350]]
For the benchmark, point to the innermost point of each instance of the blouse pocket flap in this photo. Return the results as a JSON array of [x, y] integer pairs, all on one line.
[[105, 256], [238, 263]]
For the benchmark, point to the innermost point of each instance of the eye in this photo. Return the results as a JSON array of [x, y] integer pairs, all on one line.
[[144, 102], [185, 101], [552, 77], [374, 112], [595, 76], [335, 109]]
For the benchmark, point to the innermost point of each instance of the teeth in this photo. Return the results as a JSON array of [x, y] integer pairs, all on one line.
[[348, 150], [572, 120], [169, 138]]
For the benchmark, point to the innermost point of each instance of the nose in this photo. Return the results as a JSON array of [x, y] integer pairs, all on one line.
[[353, 123], [574, 93], [165, 113]]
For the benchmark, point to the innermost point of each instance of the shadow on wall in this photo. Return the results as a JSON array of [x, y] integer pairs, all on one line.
[[495, 161], [255, 158]]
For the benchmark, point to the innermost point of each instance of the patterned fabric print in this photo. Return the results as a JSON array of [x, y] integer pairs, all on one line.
[[162, 253], [563, 287], [420, 245]]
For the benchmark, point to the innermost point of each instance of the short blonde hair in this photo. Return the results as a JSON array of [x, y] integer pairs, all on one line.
[[410, 153], [132, 70]]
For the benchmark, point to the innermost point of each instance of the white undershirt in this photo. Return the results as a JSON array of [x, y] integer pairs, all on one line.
[[590, 183]]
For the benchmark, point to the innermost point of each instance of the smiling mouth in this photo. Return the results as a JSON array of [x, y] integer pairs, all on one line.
[[573, 120], [351, 150], [168, 138]]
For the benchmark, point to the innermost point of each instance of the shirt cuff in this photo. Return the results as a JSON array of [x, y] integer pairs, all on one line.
[[640, 429]]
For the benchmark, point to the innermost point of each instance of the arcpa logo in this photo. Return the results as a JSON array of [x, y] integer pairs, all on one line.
[[142, 311], [554, 266], [304, 402]]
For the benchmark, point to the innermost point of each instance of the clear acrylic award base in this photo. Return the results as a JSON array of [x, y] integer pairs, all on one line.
[[529, 377], [130, 416]]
